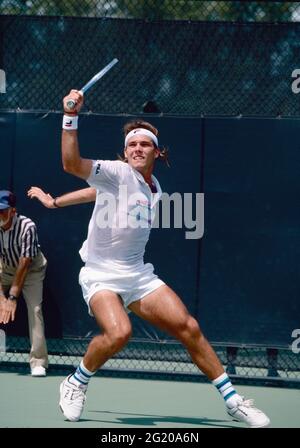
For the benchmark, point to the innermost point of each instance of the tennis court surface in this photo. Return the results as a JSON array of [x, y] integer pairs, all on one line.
[[28, 402]]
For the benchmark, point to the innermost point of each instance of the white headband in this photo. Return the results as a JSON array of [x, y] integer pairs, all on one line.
[[141, 131]]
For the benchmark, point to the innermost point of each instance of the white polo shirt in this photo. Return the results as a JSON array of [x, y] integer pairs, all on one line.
[[124, 211]]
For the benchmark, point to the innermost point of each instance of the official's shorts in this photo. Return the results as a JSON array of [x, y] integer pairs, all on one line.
[[130, 285]]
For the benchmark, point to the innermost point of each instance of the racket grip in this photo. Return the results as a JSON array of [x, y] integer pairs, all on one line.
[[71, 104]]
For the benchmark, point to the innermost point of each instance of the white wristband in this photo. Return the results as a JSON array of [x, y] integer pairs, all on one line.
[[70, 123]]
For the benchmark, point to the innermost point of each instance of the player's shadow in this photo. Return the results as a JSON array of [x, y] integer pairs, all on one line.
[[152, 420]]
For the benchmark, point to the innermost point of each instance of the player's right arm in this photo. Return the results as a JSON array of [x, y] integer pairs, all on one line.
[[72, 162]]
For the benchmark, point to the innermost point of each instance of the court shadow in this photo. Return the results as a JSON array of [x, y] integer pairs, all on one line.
[[147, 420]]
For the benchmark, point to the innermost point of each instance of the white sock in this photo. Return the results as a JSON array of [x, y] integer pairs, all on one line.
[[81, 376], [226, 389]]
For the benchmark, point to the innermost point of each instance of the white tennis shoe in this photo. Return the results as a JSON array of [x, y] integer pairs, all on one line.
[[72, 399], [38, 371], [245, 412]]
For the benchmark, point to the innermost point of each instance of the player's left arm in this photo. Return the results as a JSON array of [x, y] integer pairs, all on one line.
[[82, 196]]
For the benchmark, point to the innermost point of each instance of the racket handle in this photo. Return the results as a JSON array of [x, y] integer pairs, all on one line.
[[71, 104]]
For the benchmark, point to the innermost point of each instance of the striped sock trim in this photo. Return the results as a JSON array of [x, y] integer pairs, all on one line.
[[224, 386], [220, 378], [79, 379], [227, 380], [233, 392], [82, 375]]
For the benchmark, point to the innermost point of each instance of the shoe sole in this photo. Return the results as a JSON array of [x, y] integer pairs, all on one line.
[[251, 427], [262, 426]]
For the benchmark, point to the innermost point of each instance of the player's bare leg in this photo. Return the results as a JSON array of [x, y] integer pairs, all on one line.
[[115, 325], [165, 309], [115, 332]]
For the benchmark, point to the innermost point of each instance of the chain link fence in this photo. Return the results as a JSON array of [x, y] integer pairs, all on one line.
[[175, 57], [165, 359], [219, 10]]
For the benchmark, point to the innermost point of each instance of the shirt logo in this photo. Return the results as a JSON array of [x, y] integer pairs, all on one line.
[[98, 168], [143, 203]]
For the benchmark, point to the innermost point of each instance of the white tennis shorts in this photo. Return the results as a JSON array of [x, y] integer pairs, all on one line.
[[131, 285]]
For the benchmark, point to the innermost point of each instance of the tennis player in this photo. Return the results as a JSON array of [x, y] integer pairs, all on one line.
[[115, 277]]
